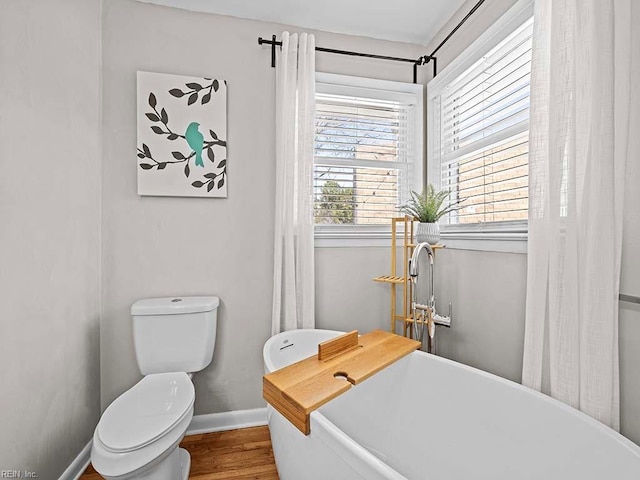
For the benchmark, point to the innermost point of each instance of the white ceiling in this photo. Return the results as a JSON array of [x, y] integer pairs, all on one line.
[[414, 21]]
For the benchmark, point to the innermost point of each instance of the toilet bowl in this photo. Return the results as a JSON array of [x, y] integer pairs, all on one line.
[[138, 435]]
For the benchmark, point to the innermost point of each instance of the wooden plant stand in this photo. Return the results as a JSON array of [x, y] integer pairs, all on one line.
[[401, 287]]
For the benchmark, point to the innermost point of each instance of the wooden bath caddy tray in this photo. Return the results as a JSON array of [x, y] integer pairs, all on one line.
[[297, 390]]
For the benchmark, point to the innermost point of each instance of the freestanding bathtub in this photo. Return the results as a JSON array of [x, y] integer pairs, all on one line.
[[425, 417]]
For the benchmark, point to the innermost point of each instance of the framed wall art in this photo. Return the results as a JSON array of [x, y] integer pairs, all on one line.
[[182, 136]]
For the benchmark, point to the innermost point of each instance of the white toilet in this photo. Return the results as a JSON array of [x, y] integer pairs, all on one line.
[[138, 434]]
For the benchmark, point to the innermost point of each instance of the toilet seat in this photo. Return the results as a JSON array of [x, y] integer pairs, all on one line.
[[146, 412], [161, 406]]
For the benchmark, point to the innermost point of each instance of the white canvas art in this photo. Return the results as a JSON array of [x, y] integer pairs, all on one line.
[[182, 136]]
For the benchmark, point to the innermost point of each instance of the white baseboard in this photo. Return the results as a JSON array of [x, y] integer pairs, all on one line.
[[218, 422], [79, 464], [212, 422]]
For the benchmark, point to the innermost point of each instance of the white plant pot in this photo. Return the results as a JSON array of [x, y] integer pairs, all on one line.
[[428, 232]]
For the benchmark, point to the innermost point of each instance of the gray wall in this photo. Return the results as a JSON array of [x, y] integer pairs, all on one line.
[[347, 298], [488, 289], [177, 246], [630, 313], [49, 231]]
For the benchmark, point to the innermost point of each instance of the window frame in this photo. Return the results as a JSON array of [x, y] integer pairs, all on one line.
[[372, 235], [494, 236]]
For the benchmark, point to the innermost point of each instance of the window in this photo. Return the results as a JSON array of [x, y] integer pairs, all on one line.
[[479, 129], [368, 153]]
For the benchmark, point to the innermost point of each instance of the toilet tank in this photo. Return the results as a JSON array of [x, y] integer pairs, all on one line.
[[174, 334]]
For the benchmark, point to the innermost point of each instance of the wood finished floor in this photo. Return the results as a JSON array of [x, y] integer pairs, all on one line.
[[237, 454]]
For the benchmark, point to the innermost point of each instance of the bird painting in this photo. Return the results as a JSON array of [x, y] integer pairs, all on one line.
[[182, 136], [195, 139]]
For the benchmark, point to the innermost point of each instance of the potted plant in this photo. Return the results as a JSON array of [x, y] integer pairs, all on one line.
[[427, 208]]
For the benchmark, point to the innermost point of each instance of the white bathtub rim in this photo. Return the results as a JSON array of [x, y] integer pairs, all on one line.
[[266, 358], [347, 448], [568, 409]]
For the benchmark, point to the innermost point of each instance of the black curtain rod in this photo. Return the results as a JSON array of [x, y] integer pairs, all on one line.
[[432, 56], [423, 60], [455, 29], [342, 52], [416, 62]]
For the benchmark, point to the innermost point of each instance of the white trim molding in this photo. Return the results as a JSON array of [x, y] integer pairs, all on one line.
[[487, 242], [212, 422], [362, 235], [507, 237], [492, 36], [79, 464], [339, 236], [499, 236], [219, 422]]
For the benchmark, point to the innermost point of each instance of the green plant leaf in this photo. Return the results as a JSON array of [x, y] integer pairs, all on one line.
[[430, 205]]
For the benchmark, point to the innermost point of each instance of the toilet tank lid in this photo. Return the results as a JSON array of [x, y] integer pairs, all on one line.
[[174, 305]]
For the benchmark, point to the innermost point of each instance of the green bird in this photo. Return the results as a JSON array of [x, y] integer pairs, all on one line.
[[196, 141]]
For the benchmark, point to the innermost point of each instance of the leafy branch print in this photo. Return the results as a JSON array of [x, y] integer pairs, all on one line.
[[210, 181], [194, 90], [160, 124], [163, 117], [145, 152]]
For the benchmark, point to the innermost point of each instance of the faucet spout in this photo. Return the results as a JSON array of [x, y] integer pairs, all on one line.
[[422, 321], [413, 263]]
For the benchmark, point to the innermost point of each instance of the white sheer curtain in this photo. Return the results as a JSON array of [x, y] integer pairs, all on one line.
[[583, 95], [293, 269]]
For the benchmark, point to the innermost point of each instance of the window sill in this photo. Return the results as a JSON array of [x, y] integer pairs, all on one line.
[[510, 238], [354, 239], [497, 242], [505, 242]]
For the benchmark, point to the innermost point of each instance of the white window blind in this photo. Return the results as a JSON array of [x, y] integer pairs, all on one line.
[[481, 134], [365, 155]]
